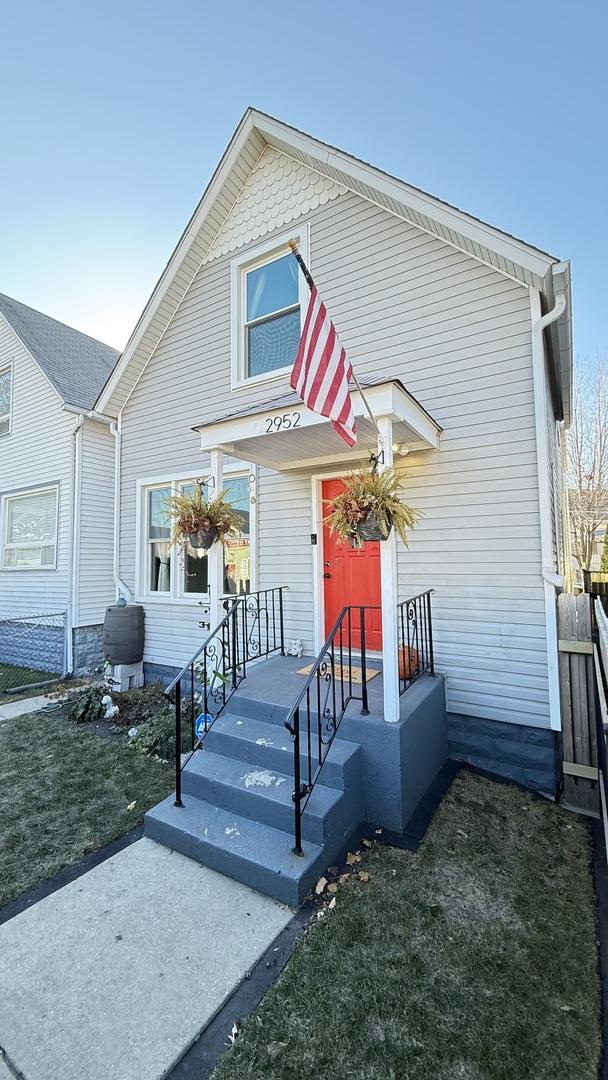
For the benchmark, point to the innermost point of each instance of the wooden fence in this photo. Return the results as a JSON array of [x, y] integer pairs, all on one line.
[[578, 703], [600, 657]]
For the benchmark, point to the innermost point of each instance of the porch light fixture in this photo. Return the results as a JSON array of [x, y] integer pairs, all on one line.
[[401, 448]]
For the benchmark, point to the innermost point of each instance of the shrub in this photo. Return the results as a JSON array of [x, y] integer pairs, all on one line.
[[86, 706], [156, 735]]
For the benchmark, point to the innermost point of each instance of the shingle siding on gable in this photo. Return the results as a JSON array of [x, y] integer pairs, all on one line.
[[458, 334]]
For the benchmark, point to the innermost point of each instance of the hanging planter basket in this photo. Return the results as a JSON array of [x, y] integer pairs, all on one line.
[[370, 529], [203, 539]]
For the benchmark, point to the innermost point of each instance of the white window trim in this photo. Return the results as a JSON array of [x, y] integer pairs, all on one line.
[[177, 596], [6, 499], [4, 368], [257, 256]]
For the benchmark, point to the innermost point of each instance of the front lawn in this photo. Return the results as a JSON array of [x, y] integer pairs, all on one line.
[[473, 959], [64, 793]]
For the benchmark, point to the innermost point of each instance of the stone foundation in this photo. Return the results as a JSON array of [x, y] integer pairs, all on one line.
[[88, 649]]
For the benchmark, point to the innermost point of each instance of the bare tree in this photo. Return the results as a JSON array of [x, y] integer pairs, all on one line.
[[588, 456]]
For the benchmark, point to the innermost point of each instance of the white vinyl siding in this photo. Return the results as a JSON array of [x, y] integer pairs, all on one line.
[[95, 582], [37, 454], [6, 392], [458, 334]]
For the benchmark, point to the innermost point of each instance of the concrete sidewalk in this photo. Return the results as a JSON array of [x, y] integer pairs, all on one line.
[[13, 709], [116, 974]]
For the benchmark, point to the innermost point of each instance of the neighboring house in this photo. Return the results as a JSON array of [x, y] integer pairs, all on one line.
[[56, 491], [443, 317]]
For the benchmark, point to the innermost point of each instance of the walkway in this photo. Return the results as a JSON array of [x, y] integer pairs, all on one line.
[[114, 976], [10, 710]]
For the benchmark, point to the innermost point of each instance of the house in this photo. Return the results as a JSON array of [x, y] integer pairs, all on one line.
[[56, 493], [460, 335]]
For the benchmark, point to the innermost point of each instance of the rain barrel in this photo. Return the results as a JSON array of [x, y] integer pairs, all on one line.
[[123, 634]]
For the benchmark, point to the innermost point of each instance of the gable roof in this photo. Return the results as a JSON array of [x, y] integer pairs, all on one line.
[[75, 364], [256, 131]]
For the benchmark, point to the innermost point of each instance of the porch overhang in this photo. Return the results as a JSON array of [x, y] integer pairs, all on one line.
[[283, 434]]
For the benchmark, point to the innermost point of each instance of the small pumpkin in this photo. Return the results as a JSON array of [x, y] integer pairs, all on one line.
[[409, 662]]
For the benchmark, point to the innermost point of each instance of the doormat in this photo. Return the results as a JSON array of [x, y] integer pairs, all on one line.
[[342, 673]]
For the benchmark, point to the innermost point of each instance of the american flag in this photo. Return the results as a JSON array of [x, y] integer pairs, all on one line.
[[321, 373]]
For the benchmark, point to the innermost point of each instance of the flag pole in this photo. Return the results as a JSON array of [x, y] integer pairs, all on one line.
[[309, 281]]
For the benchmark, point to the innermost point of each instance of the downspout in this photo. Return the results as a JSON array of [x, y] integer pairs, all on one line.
[[74, 548], [551, 579], [122, 589]]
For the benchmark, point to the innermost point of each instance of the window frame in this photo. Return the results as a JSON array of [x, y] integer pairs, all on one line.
[[177, 594], [253, 259], [9, 415], [12, 497]]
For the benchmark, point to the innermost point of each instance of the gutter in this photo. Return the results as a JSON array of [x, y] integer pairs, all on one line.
[[74, 551], [552, 580], [122, 589]]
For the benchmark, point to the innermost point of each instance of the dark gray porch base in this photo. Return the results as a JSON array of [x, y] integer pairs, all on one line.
[[400, 761], [513, 751]]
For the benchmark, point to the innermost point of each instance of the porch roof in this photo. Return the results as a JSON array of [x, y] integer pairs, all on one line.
[[283, 434]]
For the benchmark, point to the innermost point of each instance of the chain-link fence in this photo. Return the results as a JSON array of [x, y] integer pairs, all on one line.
[[33, 650]]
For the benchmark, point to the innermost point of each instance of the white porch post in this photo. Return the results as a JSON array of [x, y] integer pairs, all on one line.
[[389, 586], [216, 551]]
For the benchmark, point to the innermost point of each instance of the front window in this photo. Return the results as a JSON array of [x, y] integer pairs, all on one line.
[[272, 316], [6, 379], [30, 531], [194, 560], [183, 571], [158, 535], [237, 549]]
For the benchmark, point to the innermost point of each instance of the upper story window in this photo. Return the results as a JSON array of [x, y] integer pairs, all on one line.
[[6, 380], [30, 530], [268, 296]]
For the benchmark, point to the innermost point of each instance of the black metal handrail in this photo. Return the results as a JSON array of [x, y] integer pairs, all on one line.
[[253, 627], [324, 699], [415, 639]]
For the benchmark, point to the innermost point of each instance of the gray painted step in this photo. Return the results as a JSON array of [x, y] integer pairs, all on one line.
[[256, 854], [271, 747], [241, 705], [261, 794]]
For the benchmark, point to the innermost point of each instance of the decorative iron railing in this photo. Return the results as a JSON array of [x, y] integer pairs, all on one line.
[[415, 639], [253, 627], [329, 688]]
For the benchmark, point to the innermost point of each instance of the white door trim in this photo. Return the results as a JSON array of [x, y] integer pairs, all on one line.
[[318, 591]]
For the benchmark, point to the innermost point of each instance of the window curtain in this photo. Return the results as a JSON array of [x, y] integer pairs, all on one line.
[[163, 554]]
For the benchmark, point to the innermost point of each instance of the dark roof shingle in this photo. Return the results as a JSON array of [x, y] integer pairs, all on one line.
[[77, 365]]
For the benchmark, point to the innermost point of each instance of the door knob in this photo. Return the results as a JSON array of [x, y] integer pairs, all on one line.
[[326, 574]]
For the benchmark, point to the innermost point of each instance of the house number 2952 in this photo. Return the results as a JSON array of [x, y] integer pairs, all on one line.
[[282, 423]]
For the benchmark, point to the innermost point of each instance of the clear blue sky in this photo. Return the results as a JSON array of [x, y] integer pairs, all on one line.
[[114, 115]]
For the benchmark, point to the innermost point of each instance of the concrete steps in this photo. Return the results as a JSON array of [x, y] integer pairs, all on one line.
[[238, 813]]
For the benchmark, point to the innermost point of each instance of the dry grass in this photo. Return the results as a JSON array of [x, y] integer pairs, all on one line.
[[65, 793], [474, 959]]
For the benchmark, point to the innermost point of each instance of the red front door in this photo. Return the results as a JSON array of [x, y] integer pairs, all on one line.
[[351, 577]]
